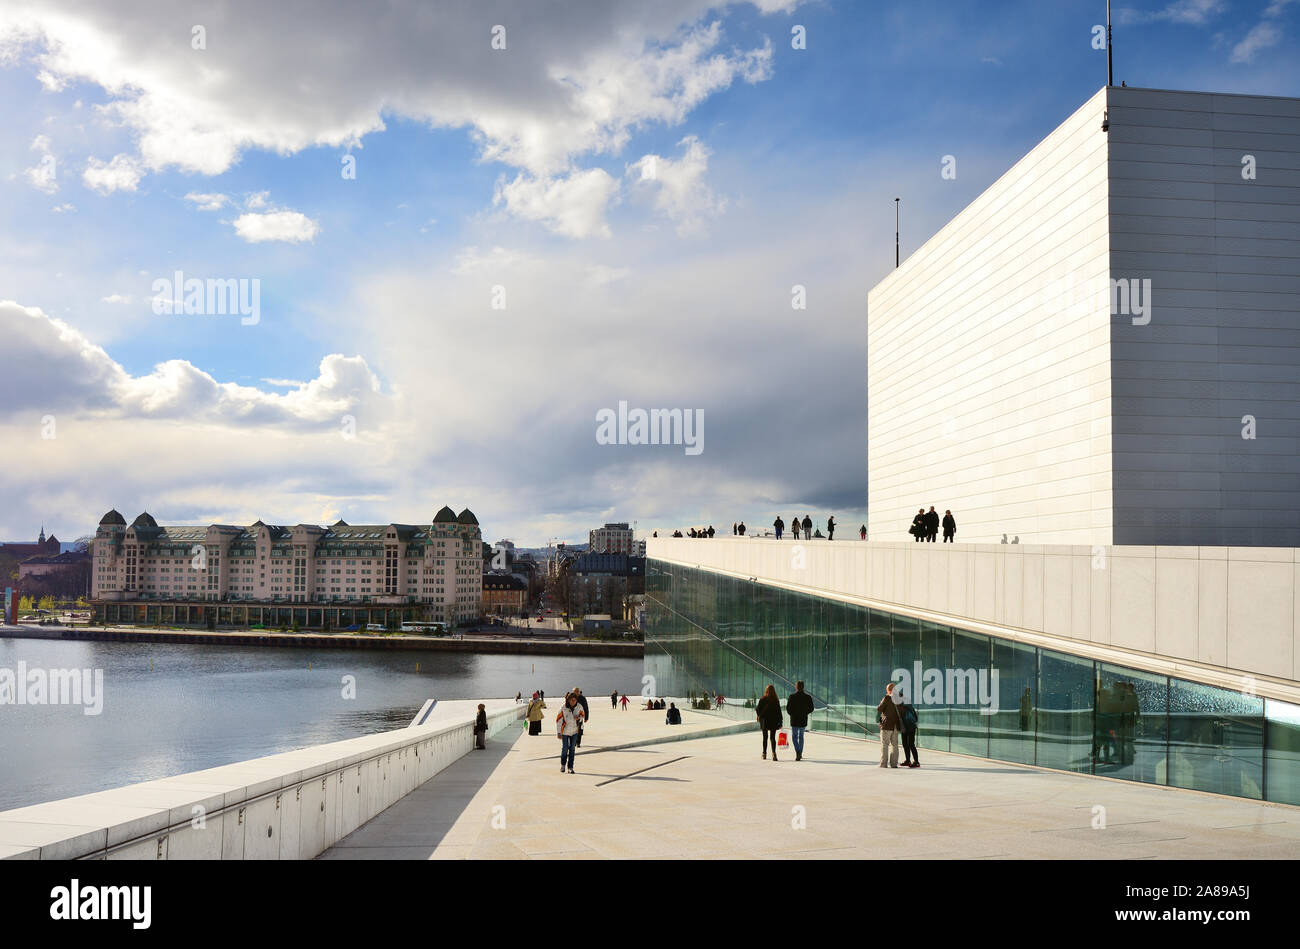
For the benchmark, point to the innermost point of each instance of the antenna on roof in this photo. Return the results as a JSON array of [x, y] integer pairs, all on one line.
[[1110, 59], [896, 225]]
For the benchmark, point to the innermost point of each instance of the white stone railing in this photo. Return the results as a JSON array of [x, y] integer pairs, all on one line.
[[289, 806]]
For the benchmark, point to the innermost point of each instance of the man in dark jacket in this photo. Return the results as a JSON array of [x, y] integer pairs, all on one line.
[[949, 527], [931, 524], [889, 716], [799, 705], [674, 716], [807, 527], [908, 720], [779, 525], [586, 711]]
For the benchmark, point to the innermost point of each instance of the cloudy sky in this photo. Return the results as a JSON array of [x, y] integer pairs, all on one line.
[[468, 227]]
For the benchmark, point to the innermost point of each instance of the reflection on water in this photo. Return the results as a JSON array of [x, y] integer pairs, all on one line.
[[170, 708]]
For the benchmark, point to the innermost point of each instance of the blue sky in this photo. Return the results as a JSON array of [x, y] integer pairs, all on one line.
[[516, 168]]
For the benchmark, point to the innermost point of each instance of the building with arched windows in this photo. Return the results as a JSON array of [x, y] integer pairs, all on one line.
[[305, 575]]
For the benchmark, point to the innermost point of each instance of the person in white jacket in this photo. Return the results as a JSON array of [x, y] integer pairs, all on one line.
[[568, 723]]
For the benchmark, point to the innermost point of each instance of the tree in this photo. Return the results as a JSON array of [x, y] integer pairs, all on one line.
[[46, 603]]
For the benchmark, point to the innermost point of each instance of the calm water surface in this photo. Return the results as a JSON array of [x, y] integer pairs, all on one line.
[[168, 709]]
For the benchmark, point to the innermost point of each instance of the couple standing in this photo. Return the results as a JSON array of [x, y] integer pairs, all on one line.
[[895, 715], [799, 706]]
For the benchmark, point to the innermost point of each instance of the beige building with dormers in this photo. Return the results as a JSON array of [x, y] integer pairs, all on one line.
[[305, 576]]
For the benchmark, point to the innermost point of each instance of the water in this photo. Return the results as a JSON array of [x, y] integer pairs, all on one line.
[[169, 709]]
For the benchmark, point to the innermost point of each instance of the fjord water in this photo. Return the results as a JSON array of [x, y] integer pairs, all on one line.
[[170, 708]]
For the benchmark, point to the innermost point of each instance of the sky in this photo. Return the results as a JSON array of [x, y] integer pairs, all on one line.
[[465, 230]]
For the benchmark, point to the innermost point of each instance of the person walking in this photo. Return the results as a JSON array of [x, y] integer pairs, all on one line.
[[931, 524], [768, 711], [613, 699], [534, 714], [909, 722], [799, 706], [779, 525], [863, 531], [623, 700], [918, 525], [568, 725], [480, 728], [794, 527], [830, 528], [949, 527], [807, 527], [889, 719], [586, 714]]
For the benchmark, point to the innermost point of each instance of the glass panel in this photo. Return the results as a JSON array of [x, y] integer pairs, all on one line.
[[1282, 738], [1064, 713], [968, 691], [879, 635], [1215, 739], [1011, 727], [934, 723], [1132, 725]]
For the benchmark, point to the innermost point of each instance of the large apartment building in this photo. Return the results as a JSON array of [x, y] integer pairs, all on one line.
[[306, 574], [612, 539]]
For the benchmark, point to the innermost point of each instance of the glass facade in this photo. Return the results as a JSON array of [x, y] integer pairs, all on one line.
[[975, 694]]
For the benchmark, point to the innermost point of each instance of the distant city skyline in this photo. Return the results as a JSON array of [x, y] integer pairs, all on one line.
[[433, 274]]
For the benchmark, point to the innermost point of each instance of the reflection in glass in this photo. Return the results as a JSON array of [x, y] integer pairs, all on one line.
[[1131, 726], [1216, 739]]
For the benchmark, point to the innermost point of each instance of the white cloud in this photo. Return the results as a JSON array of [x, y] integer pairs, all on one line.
[[292, 227], [42, 175], [63, 208], [123, 173], [56, 367], [208, 202], [116, 298], [1195, 12], [256, 200], [1261, 36], [571, 83], [572, 206], [682, 194]]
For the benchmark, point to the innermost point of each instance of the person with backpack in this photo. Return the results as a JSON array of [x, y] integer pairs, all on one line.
[[890, 720], [568, 725], [799, 705], [768, 711], [909, 722]]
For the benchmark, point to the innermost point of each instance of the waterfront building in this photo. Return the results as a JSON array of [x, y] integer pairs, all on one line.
[[305, 575], [1147, 625]]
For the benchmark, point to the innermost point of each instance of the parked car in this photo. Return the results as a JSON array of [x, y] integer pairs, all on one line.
[[375, 627]]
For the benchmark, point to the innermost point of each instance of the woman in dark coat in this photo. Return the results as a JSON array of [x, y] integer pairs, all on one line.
[[480, 727], [769, 717]]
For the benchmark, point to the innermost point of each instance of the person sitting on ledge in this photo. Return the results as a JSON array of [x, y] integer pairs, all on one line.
[[674, 716]]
